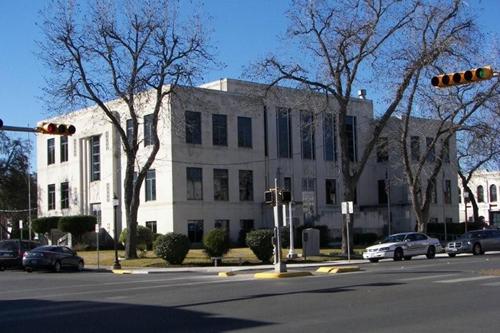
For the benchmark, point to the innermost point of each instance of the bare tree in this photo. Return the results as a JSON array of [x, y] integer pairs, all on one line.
[[351, 42], [137, 54]]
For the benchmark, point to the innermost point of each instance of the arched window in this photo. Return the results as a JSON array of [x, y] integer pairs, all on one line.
[[493, 193], [480, 194]]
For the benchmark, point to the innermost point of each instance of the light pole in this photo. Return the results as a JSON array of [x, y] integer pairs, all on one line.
[[466, 200], [116, 203]]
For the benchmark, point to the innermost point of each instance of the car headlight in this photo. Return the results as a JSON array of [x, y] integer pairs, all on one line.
[[384, 249]]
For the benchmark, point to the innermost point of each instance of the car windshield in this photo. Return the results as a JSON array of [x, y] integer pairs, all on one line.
[[42, 249], [394, 238]]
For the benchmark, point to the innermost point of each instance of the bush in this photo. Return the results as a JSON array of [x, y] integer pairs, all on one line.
[[216, 243], [365, 238], [172, 247], [77, 225], [144, 237], [261, 244], [43, 225]]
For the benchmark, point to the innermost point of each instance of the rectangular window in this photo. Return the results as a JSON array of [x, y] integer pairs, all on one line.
[[95, 163], [266, 148], [329, 138], [222, 224], [415, 148], [51, 151], [51, 196], [382, 149], [219, 130], [307, 134], [246, 226], [64, 195], [447, 191], [64, 149], [431, 154], [151, 185], [308, 184], [151, 225], [382, 191], [95, 210], [194, 183], [148, 129], [446, 148], [352, 137], [434, 198], [331, 191], [284, 132], [130, 130], [246, 185], [287, 183], [245, 132], [195, 231], [221, 185], [193, 127]]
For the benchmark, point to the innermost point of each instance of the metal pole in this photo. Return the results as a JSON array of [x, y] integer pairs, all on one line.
[[116, 264], [388, 203], [291, 251], [97, 240], [348, 220], [29, 194], [278, 265]]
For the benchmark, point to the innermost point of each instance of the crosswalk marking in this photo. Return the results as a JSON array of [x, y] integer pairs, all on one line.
[[475, 278], [427, 277]]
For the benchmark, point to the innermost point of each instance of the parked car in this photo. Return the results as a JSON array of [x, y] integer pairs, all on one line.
[[403, 246], [52, 257], [12, 251], [475, 242]]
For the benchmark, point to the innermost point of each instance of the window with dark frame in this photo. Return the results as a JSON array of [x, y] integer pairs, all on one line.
[[287, 183], [447, 191], [219, 130], [95, 158], [446, 148], [434, 191], [51, 151], [493, 193], [221, 185], [148, 129], [51, 196], [195, 231], [382, 149], [194, 183], [64, 195], [382, 192], [352, 137], [246, 185], [307, 135], [193, 127], [284, 132], [480, 193], [329, 137], [151, 225], [331, 191], [151, 185], [64, 148], [224, 225], [245, 132]]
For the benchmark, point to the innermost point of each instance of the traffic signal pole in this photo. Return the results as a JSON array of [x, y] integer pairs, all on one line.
[[18, 129]]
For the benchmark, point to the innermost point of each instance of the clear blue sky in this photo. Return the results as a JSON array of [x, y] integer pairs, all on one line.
[[244, 31]]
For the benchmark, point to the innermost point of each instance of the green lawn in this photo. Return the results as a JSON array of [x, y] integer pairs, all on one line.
[[196, 257]]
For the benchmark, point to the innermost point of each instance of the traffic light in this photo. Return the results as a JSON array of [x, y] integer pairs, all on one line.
[[270, 198], [469, 76], [285, 197], [56, 129]]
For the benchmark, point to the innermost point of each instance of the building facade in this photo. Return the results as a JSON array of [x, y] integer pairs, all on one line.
[[485, 186], [222, 145]]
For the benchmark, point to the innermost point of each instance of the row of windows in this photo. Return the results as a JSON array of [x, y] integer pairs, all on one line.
[[51, 196], [196, 228], [51, 150], [194, 189], [383, 149], [480, 194]]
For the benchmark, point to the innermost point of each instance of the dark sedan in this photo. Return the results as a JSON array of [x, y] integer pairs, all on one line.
[[52, 257], [475, 242], [12, 251]]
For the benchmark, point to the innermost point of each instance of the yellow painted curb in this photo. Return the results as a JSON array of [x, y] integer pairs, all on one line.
[[121, 271], [226, 274], [344, 269], [277, 275], [325, 269]]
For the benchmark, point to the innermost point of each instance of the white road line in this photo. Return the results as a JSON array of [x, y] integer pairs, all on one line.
[[492, 284], [475, 278], [426, 277]]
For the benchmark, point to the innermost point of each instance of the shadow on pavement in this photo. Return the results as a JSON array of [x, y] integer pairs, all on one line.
[[36, 315]]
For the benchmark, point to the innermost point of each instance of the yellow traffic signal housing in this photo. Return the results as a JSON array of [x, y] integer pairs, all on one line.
[[56, 129], [469, 76]]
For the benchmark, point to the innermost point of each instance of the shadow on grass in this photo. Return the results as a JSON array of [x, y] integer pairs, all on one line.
[[34, 315]]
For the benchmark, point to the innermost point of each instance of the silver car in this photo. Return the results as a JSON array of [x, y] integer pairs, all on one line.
[[475, 242]]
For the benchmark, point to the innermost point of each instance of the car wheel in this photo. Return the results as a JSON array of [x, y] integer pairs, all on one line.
[[407, 257], [80, 266], [29, 269], [57, 267], [477, 249], [373, 260], [398, 254], [2, 268], [431, 252], [451, 255]]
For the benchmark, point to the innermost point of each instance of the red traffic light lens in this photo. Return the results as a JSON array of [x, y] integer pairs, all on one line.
[[51, 128]]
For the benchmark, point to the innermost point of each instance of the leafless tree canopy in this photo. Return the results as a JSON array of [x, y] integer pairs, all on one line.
[[130, 51]]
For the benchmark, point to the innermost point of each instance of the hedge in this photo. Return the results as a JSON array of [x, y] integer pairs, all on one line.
[[77, 225], [261, 243], [172, 247], [44, 225]]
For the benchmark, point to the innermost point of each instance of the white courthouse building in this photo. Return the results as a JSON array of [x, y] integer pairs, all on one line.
[[222, 146], [485, 185]]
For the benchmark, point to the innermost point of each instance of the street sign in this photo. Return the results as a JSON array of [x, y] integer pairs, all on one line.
[[347, 207]]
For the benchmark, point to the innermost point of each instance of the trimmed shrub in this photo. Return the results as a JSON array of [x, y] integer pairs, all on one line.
[[216, 243], [77, 225], [43, 225], [261, 243], [172, 247], [144, 237]]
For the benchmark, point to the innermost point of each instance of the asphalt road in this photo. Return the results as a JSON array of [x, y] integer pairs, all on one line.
[[440, 295]]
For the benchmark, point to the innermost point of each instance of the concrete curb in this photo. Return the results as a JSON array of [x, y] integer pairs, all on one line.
[[337, 269], [278, 275]]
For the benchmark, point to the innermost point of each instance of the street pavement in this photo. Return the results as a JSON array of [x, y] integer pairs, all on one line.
[[445, 294]]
